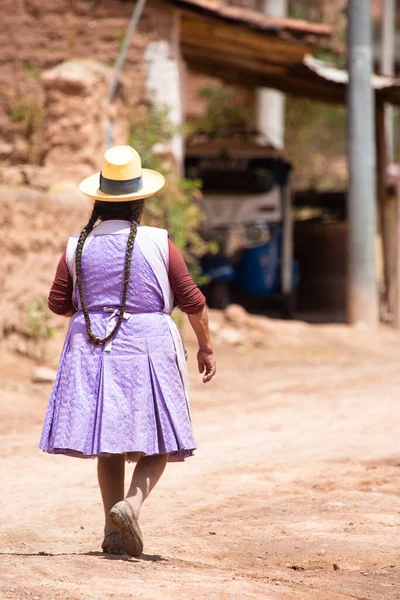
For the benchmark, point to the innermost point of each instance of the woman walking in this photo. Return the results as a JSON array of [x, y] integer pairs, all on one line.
[[121, 391]]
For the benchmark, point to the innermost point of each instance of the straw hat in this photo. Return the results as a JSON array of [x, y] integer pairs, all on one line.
[[122, 178]]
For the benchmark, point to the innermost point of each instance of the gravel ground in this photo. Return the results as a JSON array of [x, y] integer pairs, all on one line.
[[293, 492]]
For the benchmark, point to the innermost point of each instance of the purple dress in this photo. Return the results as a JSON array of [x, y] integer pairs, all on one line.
[[127, 398]]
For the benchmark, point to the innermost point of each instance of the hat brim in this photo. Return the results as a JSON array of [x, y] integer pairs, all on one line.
[[152, 181]]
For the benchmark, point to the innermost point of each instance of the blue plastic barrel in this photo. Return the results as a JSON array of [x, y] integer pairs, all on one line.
[[259, 268]]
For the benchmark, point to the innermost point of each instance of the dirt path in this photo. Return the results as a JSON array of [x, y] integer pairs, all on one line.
[[293, 493]]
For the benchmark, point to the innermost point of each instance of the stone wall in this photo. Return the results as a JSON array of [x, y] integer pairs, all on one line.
[[36, 36]]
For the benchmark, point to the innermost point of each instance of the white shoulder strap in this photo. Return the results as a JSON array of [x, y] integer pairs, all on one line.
[[70, 254], [153, 242]]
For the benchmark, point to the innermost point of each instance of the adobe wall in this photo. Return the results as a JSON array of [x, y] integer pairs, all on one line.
[[56, 64], [38, 35]]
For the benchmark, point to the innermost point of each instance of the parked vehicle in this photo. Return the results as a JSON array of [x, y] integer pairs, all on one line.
[[248, 212]]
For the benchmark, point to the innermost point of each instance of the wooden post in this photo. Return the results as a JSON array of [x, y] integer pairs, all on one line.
[[383, 221], [388, 207], [389, 219], [287, 240], [395, 276], [387, 62]]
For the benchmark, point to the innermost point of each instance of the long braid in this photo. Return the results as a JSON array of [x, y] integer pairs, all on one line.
[[78, 268], [127, 272]]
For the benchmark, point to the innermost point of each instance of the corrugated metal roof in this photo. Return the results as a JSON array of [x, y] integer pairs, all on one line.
[[387, 88], [331, 73]]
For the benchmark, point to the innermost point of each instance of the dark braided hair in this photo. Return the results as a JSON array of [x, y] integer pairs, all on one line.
[[106, 211]]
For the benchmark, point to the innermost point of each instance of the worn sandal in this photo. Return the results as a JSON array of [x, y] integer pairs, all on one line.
[[112, 543], [123, 517]]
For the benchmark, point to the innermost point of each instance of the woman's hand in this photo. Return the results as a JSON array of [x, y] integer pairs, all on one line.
[[205, 356], [207, 365]]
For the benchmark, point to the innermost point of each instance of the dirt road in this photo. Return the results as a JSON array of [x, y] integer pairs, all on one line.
[[293, 493]]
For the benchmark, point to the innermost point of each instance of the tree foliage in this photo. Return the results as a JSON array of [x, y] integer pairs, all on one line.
[[315, 142], [174, 207], [226, 110]]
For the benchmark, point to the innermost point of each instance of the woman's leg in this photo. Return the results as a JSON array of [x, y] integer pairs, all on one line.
[[111, 473], [145, 476]]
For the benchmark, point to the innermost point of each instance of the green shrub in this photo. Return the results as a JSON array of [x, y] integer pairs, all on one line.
[[315, 142], [37, 329], [226, 110], [174, 207], [37, 325], [32, 71], [29, 117]]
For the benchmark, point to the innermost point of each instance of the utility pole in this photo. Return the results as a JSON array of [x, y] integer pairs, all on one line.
[[363, 285], [271, 103], [387, 63]]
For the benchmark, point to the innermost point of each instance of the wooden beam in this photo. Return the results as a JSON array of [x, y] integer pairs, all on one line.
[[230, 50], [251, 19], [209, 43], [233, 61], [273, 48], [283, 80]]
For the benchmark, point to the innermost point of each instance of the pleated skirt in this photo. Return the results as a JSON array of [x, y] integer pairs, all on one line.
[[128, 399]]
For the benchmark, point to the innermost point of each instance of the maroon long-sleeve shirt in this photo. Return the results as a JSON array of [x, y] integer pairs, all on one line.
[[188, 297]]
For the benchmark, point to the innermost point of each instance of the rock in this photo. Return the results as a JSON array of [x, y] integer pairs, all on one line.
[[30, 175], [11, 195], [258, 340], [236, 315], [231, 336], [68, 193], [214, 327], [266, 325], [21, 149], [78, 115], [73, 77], [11, 176], [44, 375], [6, 149], [38, 177]]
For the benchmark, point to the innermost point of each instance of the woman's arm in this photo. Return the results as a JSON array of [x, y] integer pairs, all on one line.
[[60, 296], [192, 302], [187, 295], [205, 355]]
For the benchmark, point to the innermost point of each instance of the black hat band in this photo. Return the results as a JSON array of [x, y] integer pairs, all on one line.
[[119, 188]]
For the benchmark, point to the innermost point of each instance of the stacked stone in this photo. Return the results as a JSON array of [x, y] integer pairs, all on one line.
[[78, 113]]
